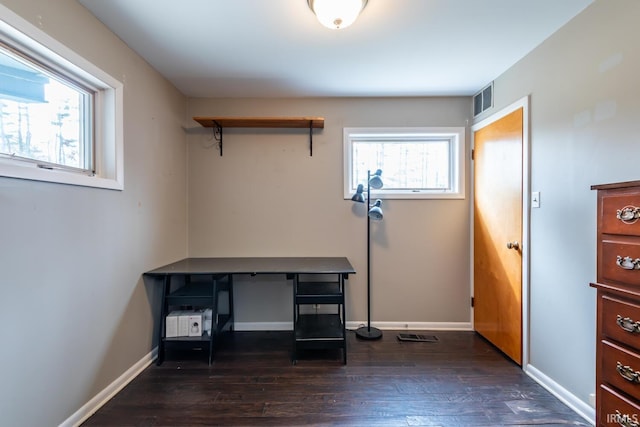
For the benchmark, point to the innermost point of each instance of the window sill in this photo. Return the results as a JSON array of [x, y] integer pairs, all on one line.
[[417, 195], [33, 173]]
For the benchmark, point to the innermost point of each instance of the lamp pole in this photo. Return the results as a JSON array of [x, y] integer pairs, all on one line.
[[368, 333]]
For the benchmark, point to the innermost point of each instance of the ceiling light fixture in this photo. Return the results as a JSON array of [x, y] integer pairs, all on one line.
[[337, 14]]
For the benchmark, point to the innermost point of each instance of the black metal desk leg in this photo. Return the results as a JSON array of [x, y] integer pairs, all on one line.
[[166, 288], [230, 300], [214, 318], [294, 353], [344, 320]]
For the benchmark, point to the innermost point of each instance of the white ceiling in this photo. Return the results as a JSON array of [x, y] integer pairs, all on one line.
[[277, 48]]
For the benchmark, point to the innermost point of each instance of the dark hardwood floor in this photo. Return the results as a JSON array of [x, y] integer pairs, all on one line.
[[461, 380]]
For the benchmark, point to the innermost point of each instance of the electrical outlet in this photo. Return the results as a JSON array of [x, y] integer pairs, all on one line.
[[535, 199]]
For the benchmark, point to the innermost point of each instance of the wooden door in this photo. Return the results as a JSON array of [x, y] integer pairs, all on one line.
[[497, 236]]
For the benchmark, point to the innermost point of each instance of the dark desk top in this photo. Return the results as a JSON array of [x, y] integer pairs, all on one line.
[[257, 265]]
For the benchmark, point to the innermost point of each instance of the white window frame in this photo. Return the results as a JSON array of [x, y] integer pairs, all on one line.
[[107, 110], [456, 137]]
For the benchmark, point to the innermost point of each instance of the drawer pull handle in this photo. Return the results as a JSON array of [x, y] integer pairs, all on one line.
[[628, 324], [628, 214], [628, 373], [628, 263], [625, 420]]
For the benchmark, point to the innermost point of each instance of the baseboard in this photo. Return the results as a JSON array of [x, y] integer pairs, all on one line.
[[111, 390], [396, 326], [415, 326], [565, 396]]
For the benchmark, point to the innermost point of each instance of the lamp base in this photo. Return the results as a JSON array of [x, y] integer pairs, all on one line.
[[368, 333]]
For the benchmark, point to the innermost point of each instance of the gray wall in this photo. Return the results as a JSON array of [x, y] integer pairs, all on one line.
[[76, 313], [585, 111], [267, 197], [72, 257]]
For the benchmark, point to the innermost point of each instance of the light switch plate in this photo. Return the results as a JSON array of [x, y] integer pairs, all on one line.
[[535, 199]]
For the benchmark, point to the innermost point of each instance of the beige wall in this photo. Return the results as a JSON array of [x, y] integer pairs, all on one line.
[[76, 313], [72, 253], [267, 197], [585, 111]]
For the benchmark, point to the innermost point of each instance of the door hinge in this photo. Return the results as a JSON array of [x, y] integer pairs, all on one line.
[[473, 154], [472, 302]]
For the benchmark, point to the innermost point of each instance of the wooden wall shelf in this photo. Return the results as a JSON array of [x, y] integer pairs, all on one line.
[[218, 123], [262, 122]]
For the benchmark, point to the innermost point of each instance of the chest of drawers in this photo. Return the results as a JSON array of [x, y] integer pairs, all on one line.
[[618, 306]]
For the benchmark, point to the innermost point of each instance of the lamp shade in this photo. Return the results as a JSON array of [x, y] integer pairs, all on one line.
[[359, 196], [375, 212], [376, 181], [337, 14]]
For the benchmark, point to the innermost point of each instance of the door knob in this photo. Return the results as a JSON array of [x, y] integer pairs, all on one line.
[[513, 245]]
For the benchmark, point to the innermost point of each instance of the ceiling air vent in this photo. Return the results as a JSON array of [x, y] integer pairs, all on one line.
[[483, 100]]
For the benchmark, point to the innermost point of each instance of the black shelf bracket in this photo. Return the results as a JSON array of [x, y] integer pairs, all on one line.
[[217, 135], [310, 138]]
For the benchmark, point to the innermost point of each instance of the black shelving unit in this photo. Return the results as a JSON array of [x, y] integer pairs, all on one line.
[[195, 291], [319, 330]]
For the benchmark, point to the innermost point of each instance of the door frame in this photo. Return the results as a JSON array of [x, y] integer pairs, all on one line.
[[526, 212]]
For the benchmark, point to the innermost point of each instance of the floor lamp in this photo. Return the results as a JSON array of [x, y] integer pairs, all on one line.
[[374, 213]]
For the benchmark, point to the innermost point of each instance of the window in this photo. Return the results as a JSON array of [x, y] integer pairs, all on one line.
[[60, 116], [43, 118], [417, 163]]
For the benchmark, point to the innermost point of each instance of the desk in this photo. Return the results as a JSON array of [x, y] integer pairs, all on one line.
[[206, 278]]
